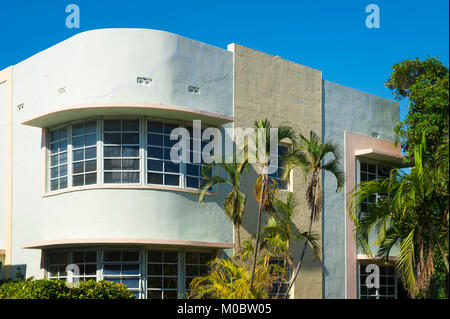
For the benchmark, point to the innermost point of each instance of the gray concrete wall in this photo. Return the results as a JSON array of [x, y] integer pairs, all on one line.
[[285, 93], [346, 109]]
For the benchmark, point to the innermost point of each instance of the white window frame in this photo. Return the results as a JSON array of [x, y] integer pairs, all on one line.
[[377, 290], [100, 158]]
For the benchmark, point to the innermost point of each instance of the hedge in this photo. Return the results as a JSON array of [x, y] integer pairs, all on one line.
[[58, 289]]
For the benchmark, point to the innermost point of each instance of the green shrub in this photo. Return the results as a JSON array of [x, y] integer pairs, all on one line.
[[57, 289]]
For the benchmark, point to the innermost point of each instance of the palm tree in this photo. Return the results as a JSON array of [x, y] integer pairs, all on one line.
[[280, 226], [264, 191], [309, 155], [234, 202], [410, 212], [227, 280]]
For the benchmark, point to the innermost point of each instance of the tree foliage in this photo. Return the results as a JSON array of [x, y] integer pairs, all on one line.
[[425, 84]]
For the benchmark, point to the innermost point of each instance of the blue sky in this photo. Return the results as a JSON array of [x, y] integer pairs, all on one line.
[[327, 35]]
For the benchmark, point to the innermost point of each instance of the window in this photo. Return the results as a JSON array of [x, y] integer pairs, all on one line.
[[279, 287], [283, 149], [124, 267], [388, 284], [196, 265], [193, 176], [369, 172], [121, 151], [151, 273], [84, 153], [86, 260], [162, 271], [160, 169], [58, 262], [58, 158]]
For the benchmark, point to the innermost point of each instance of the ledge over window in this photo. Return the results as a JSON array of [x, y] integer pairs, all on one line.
[[382, 156], [76, 112]]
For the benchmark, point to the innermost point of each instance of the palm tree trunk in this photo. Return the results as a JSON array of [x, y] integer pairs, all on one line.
[[305, 246], [238, 233], [258, 226]]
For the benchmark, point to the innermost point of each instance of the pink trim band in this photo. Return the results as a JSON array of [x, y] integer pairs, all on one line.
[[125, 241]]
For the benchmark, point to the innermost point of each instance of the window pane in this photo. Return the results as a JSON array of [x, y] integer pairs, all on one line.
[[78, 155], [130, 269], [170, 282], [154, 178], [54, 185], [155, 139], [78, 129], [112, 177], [78, 168], [130, 177], [91, 179], [130, 125], [54, 136], [112, 138], [54, 148], [112, 125], [131, 283], [192, 182], [53, 160], [91, 256], [171, 167], [78, 142], [63, 170], [170, 270], [153, 165], [129, 164], [170, 294], [193, 169], [112, 256], [91, 127], [154, 294], [54, 172], [78, 180], [130, 151], [191, 258], [154, 269], [63, 182], [154, 282], [111, 269], [130, 256], [171, 256], [191, 270], [155, 152], [63, 158], [63, 133], [130, 138], [91, 152], [112, 164], [91, 140], [90, 269], [155, 256], [91, 166], [169, 127], [154, 127], [112, 151], [173, 180]]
